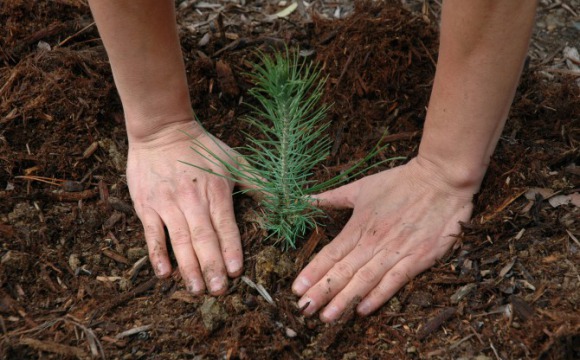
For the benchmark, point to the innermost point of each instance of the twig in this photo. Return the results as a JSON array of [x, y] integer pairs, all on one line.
[[459, 342], [494, 350], [94, 343], [259, 288], [436, 322], [75, 34], [573, 237], [141, 288], [428, 53], [133, 331], [348, 61], [55, 348], [72, 196]]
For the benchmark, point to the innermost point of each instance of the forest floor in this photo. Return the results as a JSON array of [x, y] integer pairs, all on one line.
[[75, 281]]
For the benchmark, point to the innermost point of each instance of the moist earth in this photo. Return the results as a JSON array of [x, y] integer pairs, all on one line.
[[75, 281]]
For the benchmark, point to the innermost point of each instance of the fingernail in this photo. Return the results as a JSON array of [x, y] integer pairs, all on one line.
[[307, 306], [161, 269], [330, 313], [300, 286], [216, 284], [233, 266], [364, 307], [195, 286]]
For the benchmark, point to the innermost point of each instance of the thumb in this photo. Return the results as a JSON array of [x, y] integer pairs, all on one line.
[[339, 198]]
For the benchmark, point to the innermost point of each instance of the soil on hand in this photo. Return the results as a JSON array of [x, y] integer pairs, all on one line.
[[74, 278]]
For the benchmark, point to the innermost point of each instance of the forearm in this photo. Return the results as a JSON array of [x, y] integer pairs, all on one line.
[[143, 48], [482, 50]]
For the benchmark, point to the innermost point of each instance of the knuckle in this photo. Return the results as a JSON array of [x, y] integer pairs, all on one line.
[[344, 270], [218, 189], [203, 235], [179, 238], [332, 254], [227, 227], [367, 275]]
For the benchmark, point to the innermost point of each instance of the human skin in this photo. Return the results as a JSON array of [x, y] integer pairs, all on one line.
[[404, 219], [143, 46]]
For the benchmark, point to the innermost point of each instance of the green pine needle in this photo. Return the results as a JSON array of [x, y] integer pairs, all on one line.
[[279, 164]]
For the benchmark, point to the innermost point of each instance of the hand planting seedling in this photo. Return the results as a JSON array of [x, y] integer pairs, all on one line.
[[279, 163]]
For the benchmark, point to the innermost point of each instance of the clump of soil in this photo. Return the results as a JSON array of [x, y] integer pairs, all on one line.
[[73, 282]]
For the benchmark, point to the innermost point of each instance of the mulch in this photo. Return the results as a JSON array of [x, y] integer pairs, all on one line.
[[74, 279]]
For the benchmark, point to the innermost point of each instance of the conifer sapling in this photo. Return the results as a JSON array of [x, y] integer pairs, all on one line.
[[292, 142]]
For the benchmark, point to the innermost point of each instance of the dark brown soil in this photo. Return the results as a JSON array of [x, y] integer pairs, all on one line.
[[70, 239]]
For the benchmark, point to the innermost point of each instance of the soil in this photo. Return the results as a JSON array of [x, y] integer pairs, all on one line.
[[74, 278]]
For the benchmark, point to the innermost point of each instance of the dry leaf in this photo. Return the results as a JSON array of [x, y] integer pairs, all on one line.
[[558, 200], [544, 192]]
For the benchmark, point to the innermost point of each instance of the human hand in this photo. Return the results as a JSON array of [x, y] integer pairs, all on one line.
[[403, 220], [195, 206]]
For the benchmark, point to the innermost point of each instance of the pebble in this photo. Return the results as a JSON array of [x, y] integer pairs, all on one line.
[[213, 313], [74, 261]]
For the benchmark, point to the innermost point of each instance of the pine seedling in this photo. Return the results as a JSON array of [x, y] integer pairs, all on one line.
[[279, 163]]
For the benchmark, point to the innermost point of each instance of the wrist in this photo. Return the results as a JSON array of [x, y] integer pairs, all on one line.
[[456, 178], [161, 129]]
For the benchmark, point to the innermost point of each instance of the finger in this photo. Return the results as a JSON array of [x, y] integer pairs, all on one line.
[[336, 279], [224, 224], [206, 246], [330, 255], [182, 248], [341, 197], [156, 242], [393, 281], [360, 284]]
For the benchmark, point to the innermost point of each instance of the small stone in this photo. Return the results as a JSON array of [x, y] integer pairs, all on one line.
[[290, 333], [136, 253], [411, 349], [74, 261], [213, 314]]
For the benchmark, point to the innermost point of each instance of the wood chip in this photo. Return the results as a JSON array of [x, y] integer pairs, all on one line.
[[462, 293], [182, 295], [54, 348], [521, 308], [503, 272], [436, 322], [116, 256]]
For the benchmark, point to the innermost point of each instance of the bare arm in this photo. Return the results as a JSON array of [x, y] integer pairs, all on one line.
[[196, 208], [143, 47], [482, 50], [404, 218]]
